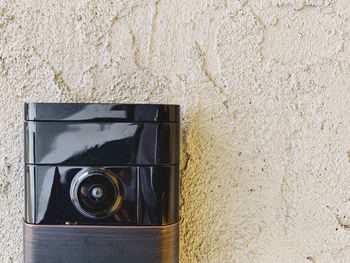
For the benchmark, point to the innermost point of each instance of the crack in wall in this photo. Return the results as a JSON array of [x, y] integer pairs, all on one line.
[[153, 31], [209, 76], [300, 5], [130, 10], [59, 81], [204, 68], [63, 87], [263, 29], [123, 13], [109, 30], [284, 184], [137, 61], [135, 49]]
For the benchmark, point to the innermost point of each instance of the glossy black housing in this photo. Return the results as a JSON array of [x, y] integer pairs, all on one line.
[[138, 143]]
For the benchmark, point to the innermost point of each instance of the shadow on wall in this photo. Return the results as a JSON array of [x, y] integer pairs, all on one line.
[[207, 191]]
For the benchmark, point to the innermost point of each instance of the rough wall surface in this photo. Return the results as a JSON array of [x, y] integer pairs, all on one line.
[[264, 90]]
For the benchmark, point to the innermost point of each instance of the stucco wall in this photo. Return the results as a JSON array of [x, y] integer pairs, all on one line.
[[264, 90]]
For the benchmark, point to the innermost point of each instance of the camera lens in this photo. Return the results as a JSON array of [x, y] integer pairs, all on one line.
[[96, 193]]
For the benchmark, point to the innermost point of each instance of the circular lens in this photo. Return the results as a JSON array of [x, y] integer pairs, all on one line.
[[93, 197], [96, 193]]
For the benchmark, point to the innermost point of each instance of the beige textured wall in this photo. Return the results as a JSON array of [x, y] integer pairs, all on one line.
[[264, 89]]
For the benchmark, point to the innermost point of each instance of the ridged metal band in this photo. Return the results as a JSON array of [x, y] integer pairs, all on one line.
[[107, 244]]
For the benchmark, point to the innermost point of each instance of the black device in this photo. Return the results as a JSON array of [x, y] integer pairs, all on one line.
[[101, 183]]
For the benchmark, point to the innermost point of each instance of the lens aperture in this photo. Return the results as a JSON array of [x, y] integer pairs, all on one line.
[[96, 193]]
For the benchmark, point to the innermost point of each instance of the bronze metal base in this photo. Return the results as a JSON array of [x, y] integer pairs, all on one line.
[[101, 244]]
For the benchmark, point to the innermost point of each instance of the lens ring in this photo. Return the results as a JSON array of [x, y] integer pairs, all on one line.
[[113, 190]]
